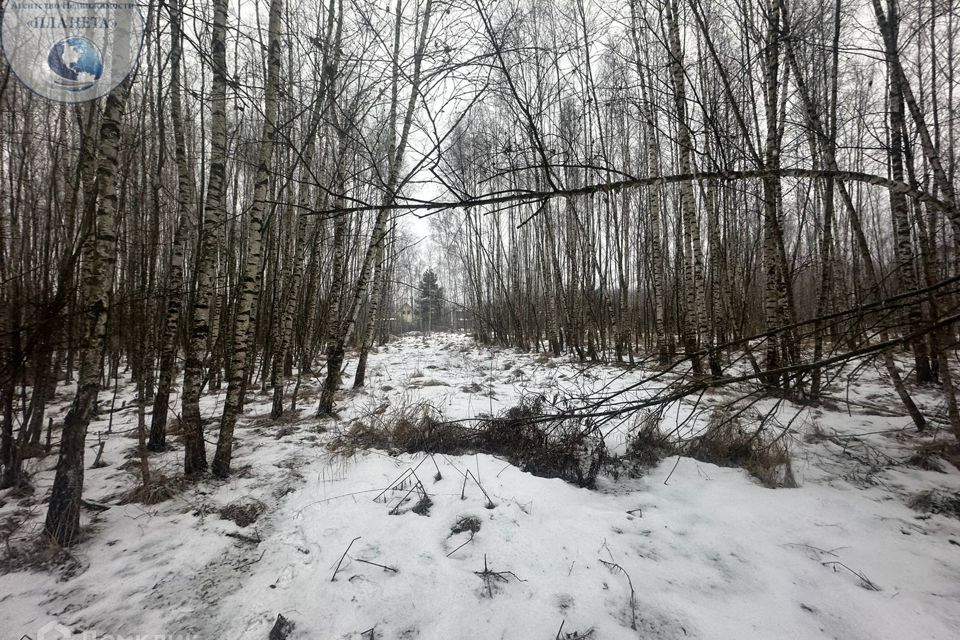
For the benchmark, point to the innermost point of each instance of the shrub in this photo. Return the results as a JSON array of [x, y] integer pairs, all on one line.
[[937, 502], [408, 429], [646, 444], [244, 511], [538, 443], [727, 443]]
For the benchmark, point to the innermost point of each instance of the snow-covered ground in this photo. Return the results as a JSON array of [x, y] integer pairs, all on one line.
[[688, 550]]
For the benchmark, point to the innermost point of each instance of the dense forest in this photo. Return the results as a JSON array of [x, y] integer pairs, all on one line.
[[735, 192]]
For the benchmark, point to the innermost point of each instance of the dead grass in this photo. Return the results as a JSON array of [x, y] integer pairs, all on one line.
[[35, 552], [244, 511], [647, 445], [409, 428], [727, 442], [933, 456], [160, 489], [524, 435], [466, 523], [428, 382], [936, 502], [572, 450]]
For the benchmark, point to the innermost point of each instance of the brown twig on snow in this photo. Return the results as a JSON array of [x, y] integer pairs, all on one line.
[[247, 564], [574, 635], [382, 566], [240, 536], [399, 481], [462, 545], [94, 506], [490, 504], [418, 486], [613, 566], [333, 578], [865, 582], [489, 576], [675, 465]]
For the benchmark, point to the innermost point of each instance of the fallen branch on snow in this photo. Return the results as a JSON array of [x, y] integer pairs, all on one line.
[[865, 582], [333, 578], [613, 566], [489, 577]]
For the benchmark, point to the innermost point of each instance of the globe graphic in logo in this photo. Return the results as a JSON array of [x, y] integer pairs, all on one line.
[[76, 63]]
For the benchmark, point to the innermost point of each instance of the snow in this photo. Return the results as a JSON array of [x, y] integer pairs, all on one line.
[[710, 553]]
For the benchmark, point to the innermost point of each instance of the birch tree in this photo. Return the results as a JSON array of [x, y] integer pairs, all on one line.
[[242, 324], [62, 523], [202, 315], [396, 148]]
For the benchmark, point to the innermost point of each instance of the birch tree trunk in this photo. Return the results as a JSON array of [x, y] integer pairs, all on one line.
[[195, 457], [324, 101], [373, 308], [63, 513], [186, 190], [251, 282], [825, 294], [771, 271], [903, 250], [656, 236], [695, 317], [899, 78], [337, 347]]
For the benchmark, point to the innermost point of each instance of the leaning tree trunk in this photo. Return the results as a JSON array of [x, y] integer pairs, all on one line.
[[373, 309], [250, 283], [899, 78], [873, 279], [903, 250], [195, 457], [63, 514]]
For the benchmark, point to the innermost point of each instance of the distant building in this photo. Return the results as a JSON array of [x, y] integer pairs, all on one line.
[[406, 313]]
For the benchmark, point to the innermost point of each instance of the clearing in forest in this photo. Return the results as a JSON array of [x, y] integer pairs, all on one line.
[[348, 541]]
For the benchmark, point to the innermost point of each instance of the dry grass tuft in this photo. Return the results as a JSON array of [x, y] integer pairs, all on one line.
[[727, 443], [546, 446], [428, 382], [933, 456], [160, 489], [409, 428], [936, 502], [647, 445], [244, 511], [37, 553], [466, 523], [524, 435]]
